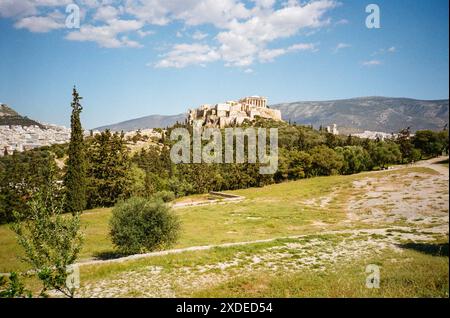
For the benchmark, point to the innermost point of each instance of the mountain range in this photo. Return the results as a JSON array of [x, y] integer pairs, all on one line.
[[353, 115]]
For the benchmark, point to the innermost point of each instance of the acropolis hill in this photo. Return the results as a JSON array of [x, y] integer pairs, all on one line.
[[232, 112]]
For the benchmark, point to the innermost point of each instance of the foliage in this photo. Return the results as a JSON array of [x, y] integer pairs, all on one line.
[[325, 161], [12, 287], [108, 169], [51, 242], [356, 159], [386, 152], [293, 164], [75, 178], [164, 196], [138, 225], [403, 139], [21, 175], [430, 143], [137, 181]]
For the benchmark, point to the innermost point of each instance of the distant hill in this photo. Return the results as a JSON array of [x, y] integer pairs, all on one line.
[[369, 113], [351, 115], [152, 121], [9, 116]]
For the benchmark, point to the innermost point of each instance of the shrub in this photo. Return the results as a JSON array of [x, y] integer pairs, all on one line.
[[164, 196], [139, 225]]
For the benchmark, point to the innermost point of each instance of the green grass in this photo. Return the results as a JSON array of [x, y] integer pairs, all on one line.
[[418, 270], [411, 274], [273, 211]]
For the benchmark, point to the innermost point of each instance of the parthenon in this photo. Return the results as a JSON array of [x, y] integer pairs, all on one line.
[[232, 112]]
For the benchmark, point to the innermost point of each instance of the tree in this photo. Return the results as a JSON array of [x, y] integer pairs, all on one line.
[[293, 164], [21, 175], [430, 143], [51, 242], [356, 159], [325, 161], [75, 179], [385, 153], [109, 169], [403, 139]]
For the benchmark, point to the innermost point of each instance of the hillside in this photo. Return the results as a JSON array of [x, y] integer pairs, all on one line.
[[369, 113], [351, 115], [152, 121], [9, 116]]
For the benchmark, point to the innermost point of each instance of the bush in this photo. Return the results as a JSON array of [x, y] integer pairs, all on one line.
[[164, 196], [139, 225]]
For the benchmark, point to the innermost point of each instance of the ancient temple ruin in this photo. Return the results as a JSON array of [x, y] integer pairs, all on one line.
[[232, 113]]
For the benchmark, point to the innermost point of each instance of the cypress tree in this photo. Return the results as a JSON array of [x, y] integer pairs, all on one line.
[[75, 179]]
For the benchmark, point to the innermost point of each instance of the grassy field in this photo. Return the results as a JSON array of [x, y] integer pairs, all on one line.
[[277, 210], [312, 265], [283, 270], [415, 275]]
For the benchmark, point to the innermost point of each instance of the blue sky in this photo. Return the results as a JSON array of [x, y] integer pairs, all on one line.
[[133, 58]]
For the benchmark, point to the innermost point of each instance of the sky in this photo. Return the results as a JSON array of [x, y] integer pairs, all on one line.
[[133, 58]]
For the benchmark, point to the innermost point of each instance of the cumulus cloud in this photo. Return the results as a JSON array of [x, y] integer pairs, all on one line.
[[241, 32], [199, 35], [106, 35], [106, 13], [183, 55], [24, 8], [39, 24]]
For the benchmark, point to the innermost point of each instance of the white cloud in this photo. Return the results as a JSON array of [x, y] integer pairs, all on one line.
[[371, 63], [39, 24], [143, 34], [183, 55], [241, 30], [106, 35], [264, 3], [106, 13], [199, 35], [270, 55], [27, 8], [341, 46]]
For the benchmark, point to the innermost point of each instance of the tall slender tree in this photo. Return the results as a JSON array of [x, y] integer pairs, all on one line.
[[75, 179]]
